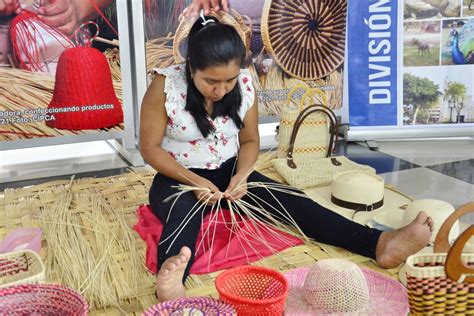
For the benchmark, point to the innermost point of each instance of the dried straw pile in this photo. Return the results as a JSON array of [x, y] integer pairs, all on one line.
[[23, 90], [89, 243]]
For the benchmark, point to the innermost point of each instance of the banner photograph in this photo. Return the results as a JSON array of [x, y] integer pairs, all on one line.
[[59, 69], [412, 62], [288, 45]]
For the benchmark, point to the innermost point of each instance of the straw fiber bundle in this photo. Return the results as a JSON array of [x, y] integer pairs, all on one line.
[[305, 37], [159, 53], [89, 244], [22, 91]]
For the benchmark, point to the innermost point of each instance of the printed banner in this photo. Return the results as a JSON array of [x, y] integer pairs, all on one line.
[[58, 75], [436, 72], [372, 56], [310, 53]]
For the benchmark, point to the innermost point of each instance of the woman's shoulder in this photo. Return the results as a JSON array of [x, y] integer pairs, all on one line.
[[174, 71]]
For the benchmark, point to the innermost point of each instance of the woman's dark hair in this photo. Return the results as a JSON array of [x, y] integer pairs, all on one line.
[[209, 45]]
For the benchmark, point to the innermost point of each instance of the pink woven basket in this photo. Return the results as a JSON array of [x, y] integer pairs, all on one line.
[[191, 306], [41, 299]]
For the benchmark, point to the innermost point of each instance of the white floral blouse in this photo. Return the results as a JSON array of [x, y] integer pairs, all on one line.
[[183, 140]]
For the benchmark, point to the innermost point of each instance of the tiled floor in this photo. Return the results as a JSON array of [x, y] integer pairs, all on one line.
[[439, 169]]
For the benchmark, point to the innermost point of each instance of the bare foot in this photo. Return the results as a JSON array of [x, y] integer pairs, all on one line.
[[395, 246], [169, 280]]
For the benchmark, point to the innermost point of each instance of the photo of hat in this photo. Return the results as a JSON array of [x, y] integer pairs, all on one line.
[[84, 96], [359, 195], [340, 287], [232, 17], [306, 39], [438, 210]]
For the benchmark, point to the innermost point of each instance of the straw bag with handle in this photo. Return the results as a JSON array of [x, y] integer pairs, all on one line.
[[443, 283], [314, 137], [306, 168]]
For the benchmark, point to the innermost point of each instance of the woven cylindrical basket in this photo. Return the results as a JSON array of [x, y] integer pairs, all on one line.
[[41, 299], [231, 17], [430, 291], [253, 290], [191, 306], [306, 38], [20, 267]]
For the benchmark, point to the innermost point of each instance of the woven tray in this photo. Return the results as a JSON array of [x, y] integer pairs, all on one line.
[[20, 267]]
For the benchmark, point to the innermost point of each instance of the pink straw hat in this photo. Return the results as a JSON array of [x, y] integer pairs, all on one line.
[[340, 287]]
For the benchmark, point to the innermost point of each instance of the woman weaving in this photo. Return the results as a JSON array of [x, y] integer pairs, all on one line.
[[199, 127]]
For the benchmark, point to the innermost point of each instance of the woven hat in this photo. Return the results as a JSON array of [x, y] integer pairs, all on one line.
[[359, 195], [84, 97], [305, 38], [22, 238], [41, 299], [340, 287], [232, 17], [191, 306], [438, 210]]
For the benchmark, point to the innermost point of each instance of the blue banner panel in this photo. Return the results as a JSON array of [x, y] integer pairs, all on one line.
[[372, 62]]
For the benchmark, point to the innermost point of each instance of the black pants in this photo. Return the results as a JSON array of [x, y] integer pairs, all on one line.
[[314, 220]]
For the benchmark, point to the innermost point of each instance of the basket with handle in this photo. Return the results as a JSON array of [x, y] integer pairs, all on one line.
[[443, 283], [21, 267], [314, 137]]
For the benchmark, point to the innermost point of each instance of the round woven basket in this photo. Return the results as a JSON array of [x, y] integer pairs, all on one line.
[[191, 306], [41, 299], [253, 290], [306, 38], [231, 17]]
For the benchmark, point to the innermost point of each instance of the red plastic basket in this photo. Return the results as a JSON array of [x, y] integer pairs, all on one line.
[[253, 290]]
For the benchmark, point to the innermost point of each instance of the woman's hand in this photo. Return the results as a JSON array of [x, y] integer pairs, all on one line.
[[237, 188], [209, 193], [61, 14], [207, 5], [8, 7]]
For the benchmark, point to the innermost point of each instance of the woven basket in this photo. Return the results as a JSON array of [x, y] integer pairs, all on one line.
[[231, 17], [443, 283], [20, 267], [253, 290], [191, 306], [306, 38], [41, 299]]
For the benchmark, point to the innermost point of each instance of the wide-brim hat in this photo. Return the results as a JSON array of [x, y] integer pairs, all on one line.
[[306, 40], [359, 195], [369, 293], [84, 96], [231, 17], [438, 210]]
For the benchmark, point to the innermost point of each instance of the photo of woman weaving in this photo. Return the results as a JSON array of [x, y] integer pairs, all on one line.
[[199, 131]]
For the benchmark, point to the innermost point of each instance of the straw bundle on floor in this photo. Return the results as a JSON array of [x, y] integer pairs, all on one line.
[[89, 243], [23, 90]]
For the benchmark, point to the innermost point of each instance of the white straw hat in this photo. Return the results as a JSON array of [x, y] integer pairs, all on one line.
[[438, 210], [358, 195]]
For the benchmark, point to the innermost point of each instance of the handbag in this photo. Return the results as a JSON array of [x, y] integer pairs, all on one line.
[[313, 137], [303, 171], [443, 283]]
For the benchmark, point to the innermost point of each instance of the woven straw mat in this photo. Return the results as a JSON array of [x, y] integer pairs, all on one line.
[[90, 207]]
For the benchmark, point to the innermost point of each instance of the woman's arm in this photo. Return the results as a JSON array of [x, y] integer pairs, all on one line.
[[153, 121], [249, 140]]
